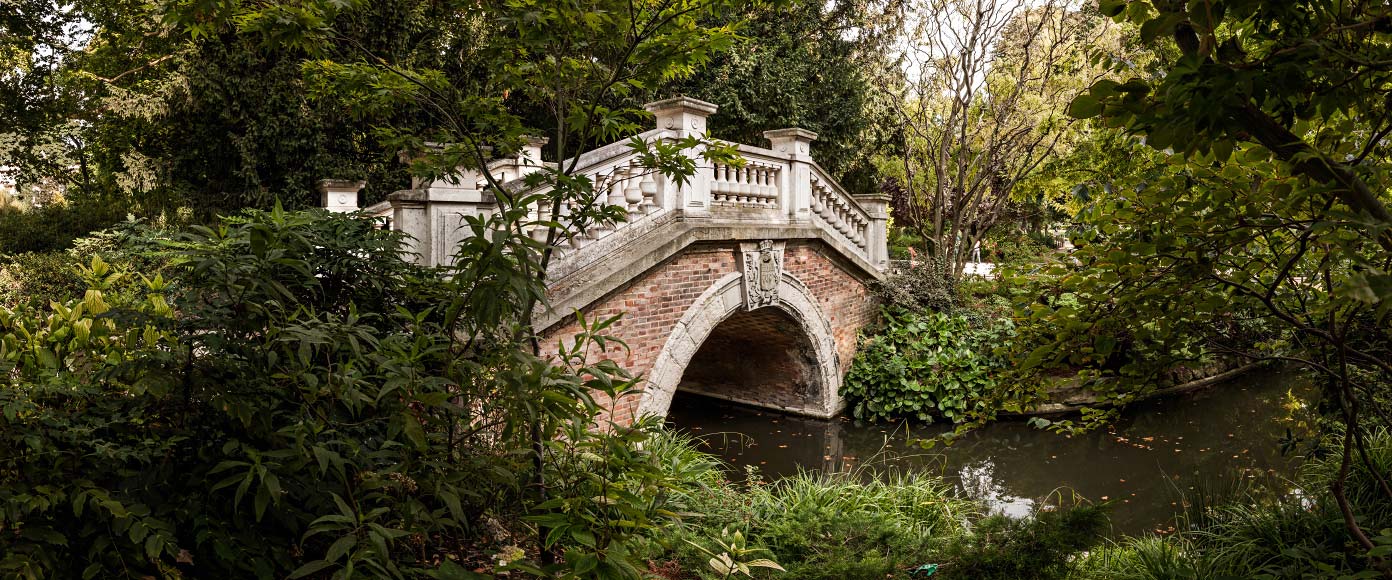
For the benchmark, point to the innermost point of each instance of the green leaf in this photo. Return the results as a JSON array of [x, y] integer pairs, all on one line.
[[413, 430], [309, 568], [1085, 107], [341, 547]]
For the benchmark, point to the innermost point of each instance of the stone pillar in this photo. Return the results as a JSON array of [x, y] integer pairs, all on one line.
[[526, 162], [877, 236], [682, 117], [529, 159], [797, 145], [340, 195], [410, 217]]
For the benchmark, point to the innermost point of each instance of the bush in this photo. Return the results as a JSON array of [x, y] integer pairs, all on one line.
[[1149, 558], [1041, 547], [42, 277], [928, 365], [290, 399], [54, 227], [923, 288], [38, 277]]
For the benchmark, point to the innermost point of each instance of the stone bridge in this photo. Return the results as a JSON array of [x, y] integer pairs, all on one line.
[[746, 283]]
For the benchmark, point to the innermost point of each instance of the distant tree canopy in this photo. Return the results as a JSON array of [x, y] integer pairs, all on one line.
[[816, 65], [140, 111], [131, 110]]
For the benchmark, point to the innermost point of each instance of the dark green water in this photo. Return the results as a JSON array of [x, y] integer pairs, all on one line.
[[1159, 450]]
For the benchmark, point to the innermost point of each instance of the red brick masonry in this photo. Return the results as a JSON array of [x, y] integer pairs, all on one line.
[[653, 303]]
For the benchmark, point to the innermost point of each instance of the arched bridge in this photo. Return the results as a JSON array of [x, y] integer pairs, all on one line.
[[746, 283]]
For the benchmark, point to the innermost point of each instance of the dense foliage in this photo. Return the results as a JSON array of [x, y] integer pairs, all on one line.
[[288, 380], [926, 365], [863, 525], [815, 65]]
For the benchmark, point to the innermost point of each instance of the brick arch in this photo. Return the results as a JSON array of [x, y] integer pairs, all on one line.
[[723, 302], [654, 298]]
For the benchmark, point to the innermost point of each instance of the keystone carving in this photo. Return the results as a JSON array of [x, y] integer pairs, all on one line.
[[763, 268]]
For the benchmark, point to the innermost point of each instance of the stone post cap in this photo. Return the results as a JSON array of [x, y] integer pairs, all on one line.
[[335, 185], [876, 204], [340, 195], [790, 134], [684, 104], [408, 197], [791, 140], [875, 197]]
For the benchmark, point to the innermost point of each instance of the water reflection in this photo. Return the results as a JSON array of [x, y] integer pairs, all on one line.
[[1219, 438], [978, 480]]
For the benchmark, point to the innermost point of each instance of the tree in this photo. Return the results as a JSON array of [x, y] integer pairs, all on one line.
[[569, 60], [363, 411], [1274, 198], [984, 108], [821, 66]]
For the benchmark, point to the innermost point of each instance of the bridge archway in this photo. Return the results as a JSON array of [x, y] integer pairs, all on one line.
[[786, 351]]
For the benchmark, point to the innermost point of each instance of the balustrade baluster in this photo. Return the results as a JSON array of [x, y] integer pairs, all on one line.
[[649, 188], [632, 193]]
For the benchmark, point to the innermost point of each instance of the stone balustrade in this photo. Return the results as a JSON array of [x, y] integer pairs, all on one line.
[[780, 186], [755, 183]]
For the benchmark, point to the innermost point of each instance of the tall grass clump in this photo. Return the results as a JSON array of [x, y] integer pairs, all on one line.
[[1145, 558], [817, 526], [847, 525]]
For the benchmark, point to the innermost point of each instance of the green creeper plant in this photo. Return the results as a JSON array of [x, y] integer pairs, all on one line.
[[925, 366]]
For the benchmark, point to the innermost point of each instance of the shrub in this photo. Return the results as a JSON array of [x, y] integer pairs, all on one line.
[[292, 400], [1148, 558], [1037, 547], [46, 276], [818, 526], [54, 227], [928, 365], [37, 277], [925, 287]]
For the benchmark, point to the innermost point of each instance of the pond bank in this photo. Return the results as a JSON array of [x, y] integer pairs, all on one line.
[[1071, 396], [1212, 438]]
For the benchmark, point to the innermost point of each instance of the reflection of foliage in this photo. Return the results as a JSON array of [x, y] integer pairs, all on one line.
[[1260, 535]]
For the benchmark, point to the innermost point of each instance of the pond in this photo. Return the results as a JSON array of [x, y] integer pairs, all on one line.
[[1215, 439]]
